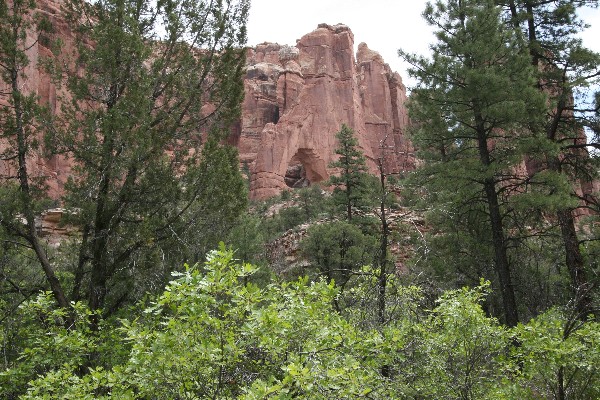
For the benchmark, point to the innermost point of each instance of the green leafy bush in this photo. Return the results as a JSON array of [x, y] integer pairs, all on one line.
[[211, 334]]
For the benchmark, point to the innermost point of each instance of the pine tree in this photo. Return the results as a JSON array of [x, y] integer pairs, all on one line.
[[350, 184], [472, 107], [565, 68], [383, 257]]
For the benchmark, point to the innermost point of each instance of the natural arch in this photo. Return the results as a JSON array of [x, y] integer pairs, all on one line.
[[305, 168]]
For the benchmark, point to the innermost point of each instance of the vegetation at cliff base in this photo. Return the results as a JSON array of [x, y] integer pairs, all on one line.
[[210, 335]]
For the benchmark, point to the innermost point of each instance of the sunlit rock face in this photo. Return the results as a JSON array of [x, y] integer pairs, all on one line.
[[297, 98]]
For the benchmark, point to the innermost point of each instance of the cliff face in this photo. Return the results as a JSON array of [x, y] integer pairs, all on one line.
[[55, 169], [298, 97]]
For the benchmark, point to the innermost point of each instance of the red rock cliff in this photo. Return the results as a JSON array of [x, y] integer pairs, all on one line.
[[297, 98], [55, 169]]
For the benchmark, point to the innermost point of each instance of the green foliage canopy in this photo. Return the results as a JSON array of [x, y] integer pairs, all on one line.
[[209, 335]]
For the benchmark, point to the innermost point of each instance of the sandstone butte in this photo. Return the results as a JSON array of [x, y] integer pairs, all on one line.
[[296, 99]]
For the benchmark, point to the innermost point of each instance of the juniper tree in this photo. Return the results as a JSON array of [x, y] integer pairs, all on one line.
[[337, 250], [147, 84]]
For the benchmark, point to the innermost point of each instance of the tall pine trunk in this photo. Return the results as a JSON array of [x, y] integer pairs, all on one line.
[[501, 263], [574, 260], [383, 249]]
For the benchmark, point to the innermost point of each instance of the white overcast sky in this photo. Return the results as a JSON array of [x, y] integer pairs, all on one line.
[[384, 25]]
